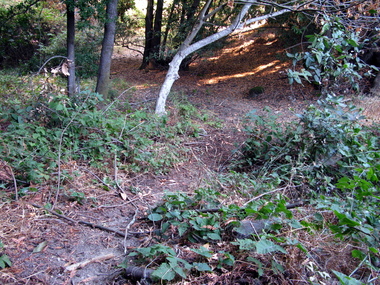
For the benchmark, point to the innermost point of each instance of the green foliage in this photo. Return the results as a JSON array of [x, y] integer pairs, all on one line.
[[87, 52], [170, 264], [79, 197], [199, 221], [316, 151], [293, 27], [332, 60], [358, 211], [4, 259], [25, 27], [37, 131]]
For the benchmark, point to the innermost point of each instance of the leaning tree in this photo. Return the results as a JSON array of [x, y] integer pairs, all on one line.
[[244, 17]]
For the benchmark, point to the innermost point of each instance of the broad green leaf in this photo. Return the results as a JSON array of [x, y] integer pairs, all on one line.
[[345, 220], [179, 270], [203, 251], [214, 236], [277, 267], [164, 272], [265, 246], [5, 261], [352, 42], [155, 217], [182, 228], [260, 270], [374, 250], [346, 280], [358, 254], [173, 260], [202, 266], [245, 244]]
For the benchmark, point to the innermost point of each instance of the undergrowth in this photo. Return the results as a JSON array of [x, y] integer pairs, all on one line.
[[47, 127], [293, 182]]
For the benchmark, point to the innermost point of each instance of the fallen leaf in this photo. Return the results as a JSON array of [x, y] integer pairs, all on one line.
[[40, 247]]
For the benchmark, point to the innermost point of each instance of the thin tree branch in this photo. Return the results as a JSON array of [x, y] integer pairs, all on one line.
[[119, 233], [56, 56]]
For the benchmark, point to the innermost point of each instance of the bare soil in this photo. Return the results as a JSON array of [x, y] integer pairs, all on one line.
[[43, 246]]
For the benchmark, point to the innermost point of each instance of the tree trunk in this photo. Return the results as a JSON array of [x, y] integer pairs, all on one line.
[[375, 90], [188, 48], [70, 48], [149, 17], [153, 25], [169, 22], [102, 85], [156, 39]]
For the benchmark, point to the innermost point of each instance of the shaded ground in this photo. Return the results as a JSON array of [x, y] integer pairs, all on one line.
[[42, 246]]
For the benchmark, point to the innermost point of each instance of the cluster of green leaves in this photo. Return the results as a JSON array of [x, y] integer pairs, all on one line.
[[316, 151], [171, 265], [25, 26], [332, 58], [39, 132], [87, 52], [4, 259], [358, 211], [199, 221]]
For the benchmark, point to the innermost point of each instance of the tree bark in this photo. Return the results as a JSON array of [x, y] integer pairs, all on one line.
[[103, 80], [156, 39], [71, 48], [149, 17]]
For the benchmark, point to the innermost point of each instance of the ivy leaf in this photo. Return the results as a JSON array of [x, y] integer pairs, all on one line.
[[202, 251], [347, 280], [164, 272], [202, 266], [155, 217], [265, 246], [5, 261]]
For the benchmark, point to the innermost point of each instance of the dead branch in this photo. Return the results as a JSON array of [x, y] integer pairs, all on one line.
[[82, 264], [119, 233], [56, 56]]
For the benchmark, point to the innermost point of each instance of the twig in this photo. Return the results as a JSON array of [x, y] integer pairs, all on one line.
[[14, 180], [119, 233], [117, 98], [263, 194], [56, 56], [82, 264], [97, 177], [127, 228]]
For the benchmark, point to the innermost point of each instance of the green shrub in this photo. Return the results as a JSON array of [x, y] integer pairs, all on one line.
[[39, 133], [87, 52], [23, 30], [316, 151], [332, 61]]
